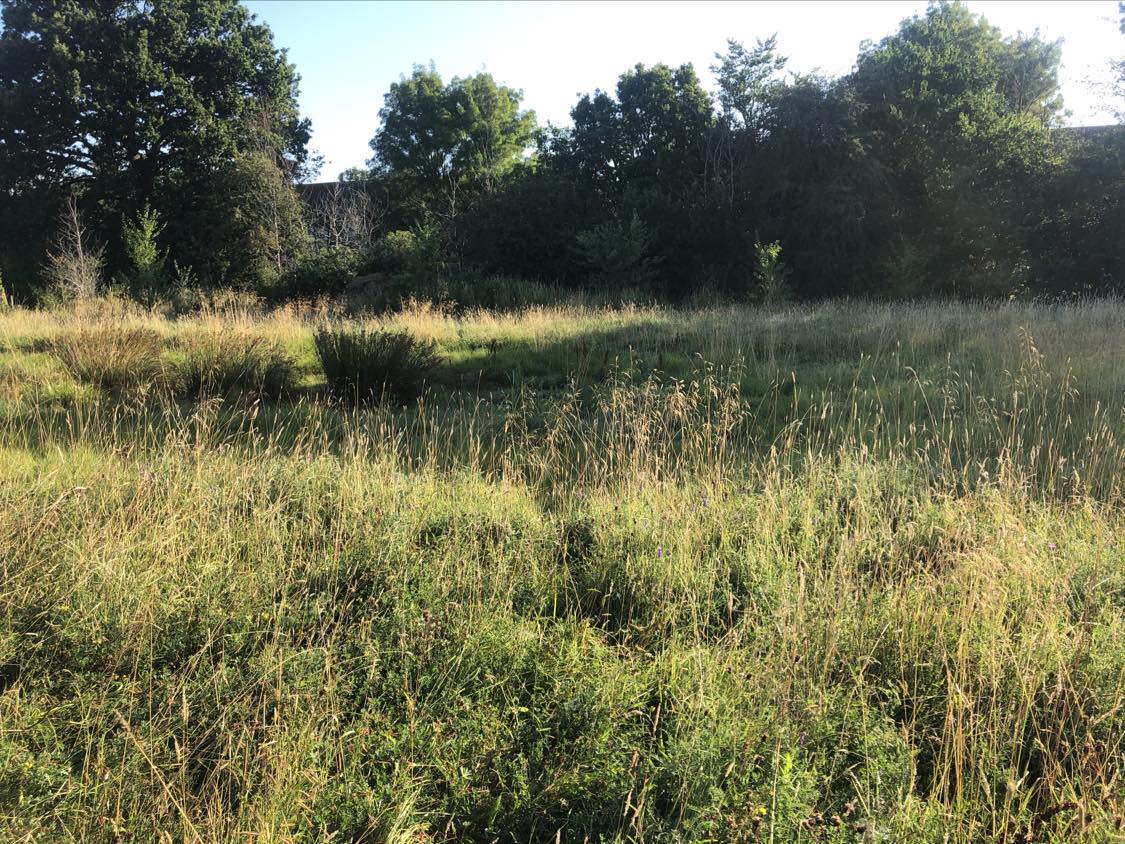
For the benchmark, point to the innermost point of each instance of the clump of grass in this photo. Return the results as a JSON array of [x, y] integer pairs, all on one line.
[[362, 364], [121, 360], [219, 362]]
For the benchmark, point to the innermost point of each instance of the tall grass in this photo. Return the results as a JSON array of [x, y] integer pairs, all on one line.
[[363, 365], [848, 573]]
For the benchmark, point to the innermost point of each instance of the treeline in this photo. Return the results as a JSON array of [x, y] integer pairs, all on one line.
[[938, 166]]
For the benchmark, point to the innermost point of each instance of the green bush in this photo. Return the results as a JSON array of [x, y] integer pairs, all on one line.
[[361, 364], [615, 253], [145, 257], [770, 274], [221, 363], [417, 253], [323, 271], [120, 360]]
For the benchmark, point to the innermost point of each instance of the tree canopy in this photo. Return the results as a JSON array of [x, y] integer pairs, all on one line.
[[938, 166], [138, 103], [442, 145]]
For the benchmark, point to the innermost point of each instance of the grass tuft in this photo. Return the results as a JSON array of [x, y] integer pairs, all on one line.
[[362, 364], [121, 360], [223, 362]]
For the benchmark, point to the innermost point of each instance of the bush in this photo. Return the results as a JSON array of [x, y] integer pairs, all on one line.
[[360, 364], [217, 362], [120, 360], [770, 274], [324, 271], [416, 253], [145, 257], [615, 253]]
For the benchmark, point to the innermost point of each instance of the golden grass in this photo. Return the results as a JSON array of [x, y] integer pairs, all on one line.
[[831, 573]]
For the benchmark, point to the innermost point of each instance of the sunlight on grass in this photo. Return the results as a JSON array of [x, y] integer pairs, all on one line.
[[837, 573]]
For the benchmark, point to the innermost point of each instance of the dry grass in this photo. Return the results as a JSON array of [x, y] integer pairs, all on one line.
[[833, 574]]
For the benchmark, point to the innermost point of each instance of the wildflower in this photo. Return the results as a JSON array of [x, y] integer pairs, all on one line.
[[801, 739], [1051, 546], [659, 551]]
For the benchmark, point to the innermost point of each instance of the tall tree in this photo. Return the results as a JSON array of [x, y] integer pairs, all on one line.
[[440, 146], [136, 102], [642, 152], [960, 118], [743, 76]]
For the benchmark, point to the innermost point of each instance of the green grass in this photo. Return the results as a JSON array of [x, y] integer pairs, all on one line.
[[844, 573]]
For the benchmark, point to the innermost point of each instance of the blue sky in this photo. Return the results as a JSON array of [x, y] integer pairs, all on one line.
[[348, 53]]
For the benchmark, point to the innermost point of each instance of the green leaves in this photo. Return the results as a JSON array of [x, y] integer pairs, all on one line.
[[137, 102], [440, 145], [959, 116]]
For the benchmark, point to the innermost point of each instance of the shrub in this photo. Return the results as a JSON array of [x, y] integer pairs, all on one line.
[[615, 253], [770, 274], [417, 253], [120, 360], [323, 271], [145, 257], [360, 364], [220, 362]]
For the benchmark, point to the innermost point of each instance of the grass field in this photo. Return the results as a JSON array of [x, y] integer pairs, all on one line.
[[837, 573]]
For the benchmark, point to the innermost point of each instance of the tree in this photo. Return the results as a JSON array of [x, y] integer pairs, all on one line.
[[343, 216], [743, 76], [138, 103], [441, 146], [816, 186], [147, 261], [959, 116], [1119, 68], [665, 115], [615, 254], [74, 266], [265, 233]]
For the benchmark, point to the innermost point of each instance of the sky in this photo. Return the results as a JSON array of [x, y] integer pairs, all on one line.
[[349, 52]]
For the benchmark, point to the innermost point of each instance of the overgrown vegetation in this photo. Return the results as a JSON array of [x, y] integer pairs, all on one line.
[[364, 365], [122, 360], [386, 511], [938, 167], [221, 362], [837, 573]]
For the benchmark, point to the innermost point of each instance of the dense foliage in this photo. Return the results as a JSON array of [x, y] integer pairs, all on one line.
[[182, 107], [938, 166]]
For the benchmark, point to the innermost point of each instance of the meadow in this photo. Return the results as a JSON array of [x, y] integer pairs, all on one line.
[[844, 572]]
